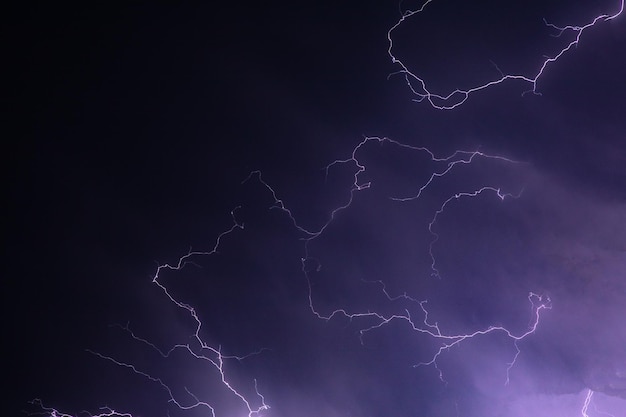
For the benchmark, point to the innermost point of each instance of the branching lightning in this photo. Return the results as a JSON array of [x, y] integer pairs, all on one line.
[[538, 302], [588, 402], [201, 350], [104, 411], [213, 356], [442, 101]]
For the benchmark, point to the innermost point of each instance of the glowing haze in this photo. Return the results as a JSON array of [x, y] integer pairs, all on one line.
[[408, 276]]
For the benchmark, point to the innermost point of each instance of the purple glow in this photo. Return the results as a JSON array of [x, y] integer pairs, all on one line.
[[438, 280]]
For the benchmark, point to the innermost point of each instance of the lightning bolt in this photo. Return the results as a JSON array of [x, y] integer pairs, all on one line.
[[200, 350], [413, 313], [104, 411], [420, 88], [586, 403], [447, 164]]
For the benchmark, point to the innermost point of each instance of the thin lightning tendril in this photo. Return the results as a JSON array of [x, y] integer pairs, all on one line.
[[586, 403], [214, 356], [51, 412], [584, 411], [422, 92], [538, 302]]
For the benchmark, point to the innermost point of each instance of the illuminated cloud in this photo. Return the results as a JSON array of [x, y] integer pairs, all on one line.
[[480, 275]]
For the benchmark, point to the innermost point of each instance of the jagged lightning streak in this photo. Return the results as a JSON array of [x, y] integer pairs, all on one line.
[[49, 411], [583, 411], [216, 358], [201, 350], [538, 302], [497, 191], [587, 402], [213, 356], [442, 101]]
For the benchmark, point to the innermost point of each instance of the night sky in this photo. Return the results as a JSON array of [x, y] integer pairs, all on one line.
[[331, 202]]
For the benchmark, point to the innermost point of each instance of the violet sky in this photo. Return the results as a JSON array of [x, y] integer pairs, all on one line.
[[137, 124]]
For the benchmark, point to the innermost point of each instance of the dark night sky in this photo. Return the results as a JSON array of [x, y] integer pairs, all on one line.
[[129, 130]]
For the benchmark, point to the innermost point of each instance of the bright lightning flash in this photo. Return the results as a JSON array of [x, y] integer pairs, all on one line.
[[213, 356], [442, 101], [200, 350]]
